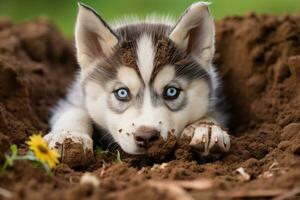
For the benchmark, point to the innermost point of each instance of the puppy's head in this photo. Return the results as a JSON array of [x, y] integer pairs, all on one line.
[[145, 80]]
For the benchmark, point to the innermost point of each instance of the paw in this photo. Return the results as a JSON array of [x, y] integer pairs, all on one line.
[[76, 149], [207, 138]]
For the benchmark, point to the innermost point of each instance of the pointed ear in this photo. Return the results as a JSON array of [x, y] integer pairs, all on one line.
[[94, 39], [195, 33]]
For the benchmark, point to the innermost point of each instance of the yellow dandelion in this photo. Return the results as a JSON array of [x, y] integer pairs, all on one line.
[[42, 152]]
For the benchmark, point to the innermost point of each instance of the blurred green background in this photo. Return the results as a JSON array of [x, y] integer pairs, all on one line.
[[63, 12]]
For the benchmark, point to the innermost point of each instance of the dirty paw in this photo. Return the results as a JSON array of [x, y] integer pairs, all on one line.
[[76, 149], [207, 138]]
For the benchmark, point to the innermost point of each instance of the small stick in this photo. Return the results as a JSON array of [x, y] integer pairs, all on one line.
[[5, 193], [201, 184], [244, 176]]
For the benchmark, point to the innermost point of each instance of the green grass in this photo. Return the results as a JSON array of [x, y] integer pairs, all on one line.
[[115, 154], [63, 12]]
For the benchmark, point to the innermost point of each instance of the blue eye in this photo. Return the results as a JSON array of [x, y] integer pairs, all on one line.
[[171, 93], [122, 94]]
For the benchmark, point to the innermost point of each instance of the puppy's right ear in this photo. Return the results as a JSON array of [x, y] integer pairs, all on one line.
[[93, 37]]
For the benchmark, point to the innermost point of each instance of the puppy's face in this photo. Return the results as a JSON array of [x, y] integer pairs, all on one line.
[[140, 82]]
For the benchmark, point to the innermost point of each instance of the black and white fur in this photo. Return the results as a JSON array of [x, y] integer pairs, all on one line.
[[142, 80]]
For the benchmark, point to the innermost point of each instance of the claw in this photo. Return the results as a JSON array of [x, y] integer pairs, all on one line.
[[208, 139]]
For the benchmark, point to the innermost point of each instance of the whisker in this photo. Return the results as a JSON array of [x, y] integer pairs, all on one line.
[[112, 143], [115, 147], [104, 135]]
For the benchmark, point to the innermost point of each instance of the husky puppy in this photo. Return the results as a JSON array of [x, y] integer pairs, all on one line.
[[143, 80]]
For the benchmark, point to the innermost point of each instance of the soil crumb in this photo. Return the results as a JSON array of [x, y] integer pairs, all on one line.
[[258, 57], [161, 148]]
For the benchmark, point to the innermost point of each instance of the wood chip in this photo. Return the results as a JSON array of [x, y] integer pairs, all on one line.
[[5, 193], [244, 176], [88, 178], [159, 166]]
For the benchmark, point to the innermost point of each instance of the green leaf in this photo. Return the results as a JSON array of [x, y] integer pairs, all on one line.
[[9, 160], [99, 151], [14, 150], [118, 157]]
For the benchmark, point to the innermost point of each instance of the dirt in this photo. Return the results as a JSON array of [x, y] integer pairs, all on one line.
[[161, 148], [259, 61], [73, 154]]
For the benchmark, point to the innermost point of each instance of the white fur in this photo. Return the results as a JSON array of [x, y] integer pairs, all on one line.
[[145, 56], [96, 102], [73, 117], [151, 19], [71, 120], [148, 115], [130, 79], [73, 123], [164, 77]]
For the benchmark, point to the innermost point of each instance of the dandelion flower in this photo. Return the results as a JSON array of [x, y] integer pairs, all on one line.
[[42, 152]]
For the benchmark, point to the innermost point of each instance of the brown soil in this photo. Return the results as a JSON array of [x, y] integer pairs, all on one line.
[[259, 60]]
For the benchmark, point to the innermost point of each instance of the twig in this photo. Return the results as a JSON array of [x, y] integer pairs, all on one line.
[[288, 194], [88, 178], [5, 193], [201, 184], [243, 175]]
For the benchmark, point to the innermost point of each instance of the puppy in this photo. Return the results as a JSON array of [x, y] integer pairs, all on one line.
[[143, 80]]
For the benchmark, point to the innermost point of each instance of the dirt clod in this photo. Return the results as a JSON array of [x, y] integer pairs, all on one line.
[[161, 148], [74, 155]]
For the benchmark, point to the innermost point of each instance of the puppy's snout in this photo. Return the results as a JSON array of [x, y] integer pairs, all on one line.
[[146, 136]]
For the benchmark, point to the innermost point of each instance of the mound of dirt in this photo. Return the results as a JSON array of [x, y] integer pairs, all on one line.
[[259, 61], [36, 64]]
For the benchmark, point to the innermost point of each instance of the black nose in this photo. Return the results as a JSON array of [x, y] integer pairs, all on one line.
[[145, 136]]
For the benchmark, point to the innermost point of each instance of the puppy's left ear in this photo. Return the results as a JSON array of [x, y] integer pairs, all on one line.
[[94, 39], [195, 33]]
